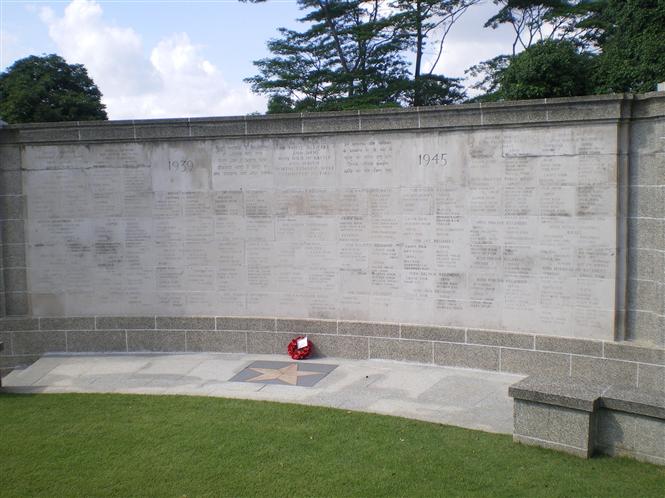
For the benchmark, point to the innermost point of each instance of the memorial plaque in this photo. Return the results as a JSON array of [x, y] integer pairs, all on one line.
[[509, 229]]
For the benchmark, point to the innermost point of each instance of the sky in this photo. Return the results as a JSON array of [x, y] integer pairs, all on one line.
[[180, 58]]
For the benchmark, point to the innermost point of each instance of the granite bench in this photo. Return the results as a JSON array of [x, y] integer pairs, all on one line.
[[583, 418]]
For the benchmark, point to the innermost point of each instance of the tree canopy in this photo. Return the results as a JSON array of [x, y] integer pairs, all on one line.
[[46, 88], [354, 54]]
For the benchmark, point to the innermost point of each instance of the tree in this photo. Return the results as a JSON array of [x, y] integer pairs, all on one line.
[[535, 20], [40, 89], [349, 57], [630, 36], [550, 68], [354, 55], [427, 23]]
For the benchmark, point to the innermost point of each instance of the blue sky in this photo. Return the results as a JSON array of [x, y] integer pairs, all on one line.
[[154, 59]]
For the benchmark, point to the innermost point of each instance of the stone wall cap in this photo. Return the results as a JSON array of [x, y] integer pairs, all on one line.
[[634, 400], [580, 394], [569, 392]]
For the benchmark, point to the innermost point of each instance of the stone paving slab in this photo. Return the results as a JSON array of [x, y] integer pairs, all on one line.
[[466, 398]]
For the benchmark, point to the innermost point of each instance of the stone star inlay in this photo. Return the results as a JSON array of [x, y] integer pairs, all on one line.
[[288, 375]]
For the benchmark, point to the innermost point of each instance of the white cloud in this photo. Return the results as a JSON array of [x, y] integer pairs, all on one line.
[[175, 81]]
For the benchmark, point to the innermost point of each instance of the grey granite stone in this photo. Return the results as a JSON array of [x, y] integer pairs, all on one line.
[[176, 128], [647, 202], [10, 324], [17, 303], [630, 352], [604, 370], [401, 350], [494, 338], [261, 342], [440, 117], [467, 356], [649, 437], [6, 340], [506, 115], [534, 362], [205, 127], [188, 323], [372, 329], [127, 322], [306, 326], [13, 255], [223, 341], [281, 342], [645, 327], [555, 427], [646, 233], [54, 133], [646, 295], [69, 323], [12, 231], [646, 169], [233, 323], [624, 434], [443, 334], [651, 377], [567, 111], [313, 123], [11, 207], [566, 345], [633, 400], [569, 392], [10, 157], [106, 131], [11, 183], [156, 340], [96, 341], [370, 120], [274, 125], [38, 342], [646, 264], [15, 280], [356, 348]]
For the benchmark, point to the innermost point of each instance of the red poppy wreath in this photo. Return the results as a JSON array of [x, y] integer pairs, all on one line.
[[299, 353]]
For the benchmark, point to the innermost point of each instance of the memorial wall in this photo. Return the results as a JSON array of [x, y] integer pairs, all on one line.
[[503, 229], [506, 217]]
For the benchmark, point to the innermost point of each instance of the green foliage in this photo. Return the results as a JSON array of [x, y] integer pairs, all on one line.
[[119, 445], [353, 56], [41, 89], [547, 69], [627, 38], [349, 57], [631, 37]]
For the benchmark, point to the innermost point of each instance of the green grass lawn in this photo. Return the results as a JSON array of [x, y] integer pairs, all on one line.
[[120, 445]]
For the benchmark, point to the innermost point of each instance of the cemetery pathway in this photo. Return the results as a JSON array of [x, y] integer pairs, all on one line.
[[472, 399]]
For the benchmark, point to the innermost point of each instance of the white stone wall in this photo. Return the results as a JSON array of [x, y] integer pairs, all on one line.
[[506, 228]]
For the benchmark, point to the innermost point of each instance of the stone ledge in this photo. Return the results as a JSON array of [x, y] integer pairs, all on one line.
[[613, 107], [569, 392], [603, 418]]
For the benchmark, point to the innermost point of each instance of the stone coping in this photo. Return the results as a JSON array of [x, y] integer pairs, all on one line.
[[623, 351], [580, 394], [610, 107], [26, 338]]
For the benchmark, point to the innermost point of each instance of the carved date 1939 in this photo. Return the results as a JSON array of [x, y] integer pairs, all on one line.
[[182, 166]]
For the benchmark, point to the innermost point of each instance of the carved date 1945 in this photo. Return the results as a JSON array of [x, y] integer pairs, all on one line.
[[438, 159]]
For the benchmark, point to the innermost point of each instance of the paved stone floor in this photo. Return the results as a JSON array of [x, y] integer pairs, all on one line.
[[466, 398]]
